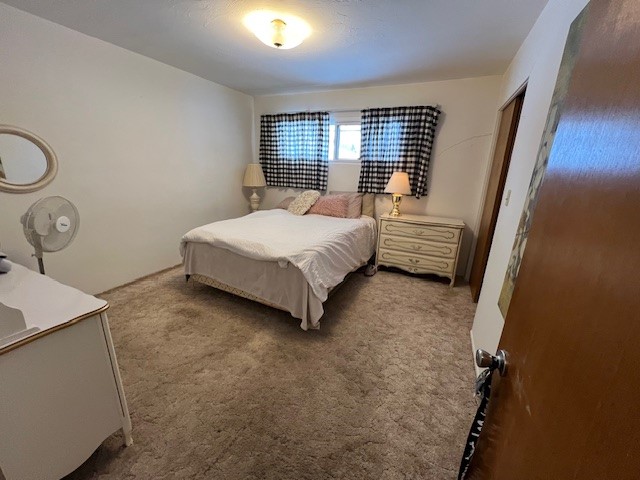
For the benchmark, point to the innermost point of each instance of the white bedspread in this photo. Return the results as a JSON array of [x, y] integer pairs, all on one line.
[[324, 248]]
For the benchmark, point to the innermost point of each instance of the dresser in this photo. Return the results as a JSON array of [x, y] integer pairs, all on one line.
[[420, 244], [61, 394]]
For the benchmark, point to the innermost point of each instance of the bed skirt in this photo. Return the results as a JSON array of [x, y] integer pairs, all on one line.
[[264, 282], [235, 291]]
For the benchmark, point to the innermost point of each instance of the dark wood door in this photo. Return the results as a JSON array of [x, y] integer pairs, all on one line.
[[509, 119], [569, 406]]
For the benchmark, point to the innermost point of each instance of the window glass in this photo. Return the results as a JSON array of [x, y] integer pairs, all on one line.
[[349, 145], [344, 136], [332, 142]]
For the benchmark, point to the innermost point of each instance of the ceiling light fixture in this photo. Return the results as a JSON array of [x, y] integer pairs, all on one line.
[[277, 30]]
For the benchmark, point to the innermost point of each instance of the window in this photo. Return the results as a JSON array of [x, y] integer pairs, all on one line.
[[344, 137]]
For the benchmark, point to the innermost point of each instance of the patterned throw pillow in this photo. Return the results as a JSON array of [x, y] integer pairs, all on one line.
[[284, 204], [303, 202], [332, 206]]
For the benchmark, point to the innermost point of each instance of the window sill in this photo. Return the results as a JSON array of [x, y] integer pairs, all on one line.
[[345, 162]]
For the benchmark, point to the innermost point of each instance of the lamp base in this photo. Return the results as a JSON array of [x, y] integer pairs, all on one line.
[[254, 199], [396, 198]]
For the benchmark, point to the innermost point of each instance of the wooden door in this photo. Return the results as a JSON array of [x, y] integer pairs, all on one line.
[[569, 406], [509, 119]]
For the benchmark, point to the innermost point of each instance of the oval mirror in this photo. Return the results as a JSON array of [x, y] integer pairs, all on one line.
[[27, 163]]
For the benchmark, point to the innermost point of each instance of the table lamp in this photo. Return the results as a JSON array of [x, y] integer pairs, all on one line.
[[398, 185], [254, 178]]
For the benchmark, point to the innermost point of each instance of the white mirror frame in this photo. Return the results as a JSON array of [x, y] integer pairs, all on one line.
[[49, 154]]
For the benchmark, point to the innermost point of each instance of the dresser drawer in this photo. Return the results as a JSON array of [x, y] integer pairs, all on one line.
[[418, 246], [416, 263], [426, 232]]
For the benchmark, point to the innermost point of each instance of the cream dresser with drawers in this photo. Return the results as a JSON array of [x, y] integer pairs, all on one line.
[[61, 394], [420, 244]]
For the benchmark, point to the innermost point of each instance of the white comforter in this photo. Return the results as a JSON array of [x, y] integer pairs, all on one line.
[[324, 248]]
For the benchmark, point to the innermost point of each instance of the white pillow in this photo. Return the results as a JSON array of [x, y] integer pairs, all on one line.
[[284, 204], [303, 202]]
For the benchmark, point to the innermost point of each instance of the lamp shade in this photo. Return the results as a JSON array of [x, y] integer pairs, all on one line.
[[399, 183], [253, 176]]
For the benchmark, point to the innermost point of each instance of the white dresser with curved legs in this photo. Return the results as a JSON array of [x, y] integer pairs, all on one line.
[[61, 394], [420, 244]]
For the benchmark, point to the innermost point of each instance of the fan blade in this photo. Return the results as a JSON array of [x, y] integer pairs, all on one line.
[[66, 210], [54, 241], [41, 222]]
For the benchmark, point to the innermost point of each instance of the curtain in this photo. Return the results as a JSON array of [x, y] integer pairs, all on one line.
[[396, 139], [294, 149]]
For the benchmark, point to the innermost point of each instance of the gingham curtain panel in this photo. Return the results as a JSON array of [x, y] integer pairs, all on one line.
[[396, 139], [294, 149]]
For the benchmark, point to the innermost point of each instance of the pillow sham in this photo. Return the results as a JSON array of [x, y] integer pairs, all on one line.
[[284, 204], [303, 202], [332, 206], [368, 202]]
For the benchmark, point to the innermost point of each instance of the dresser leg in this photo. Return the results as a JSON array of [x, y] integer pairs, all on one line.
[[126, 419], [128, 439]]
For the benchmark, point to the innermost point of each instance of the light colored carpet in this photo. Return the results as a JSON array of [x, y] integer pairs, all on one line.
[[221, 387]]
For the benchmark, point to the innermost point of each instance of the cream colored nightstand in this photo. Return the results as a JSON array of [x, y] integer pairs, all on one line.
[[420, 244]]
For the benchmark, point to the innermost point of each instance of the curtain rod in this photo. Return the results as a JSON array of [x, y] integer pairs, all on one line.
[[347, 110], [437, 105]]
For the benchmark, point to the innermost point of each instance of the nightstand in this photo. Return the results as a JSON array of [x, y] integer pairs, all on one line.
[[420, 244]]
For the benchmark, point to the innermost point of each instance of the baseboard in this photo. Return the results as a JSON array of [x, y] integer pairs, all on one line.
[[473, 354], [134, 281]]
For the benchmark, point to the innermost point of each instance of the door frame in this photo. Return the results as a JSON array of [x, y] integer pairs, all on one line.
[[499, 196]]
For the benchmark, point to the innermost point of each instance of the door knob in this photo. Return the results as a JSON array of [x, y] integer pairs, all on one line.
[[495, 362]]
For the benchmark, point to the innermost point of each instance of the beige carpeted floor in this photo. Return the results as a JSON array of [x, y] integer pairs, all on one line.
[[220, 387]]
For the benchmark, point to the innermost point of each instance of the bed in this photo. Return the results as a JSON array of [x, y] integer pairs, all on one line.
[[290, 262]]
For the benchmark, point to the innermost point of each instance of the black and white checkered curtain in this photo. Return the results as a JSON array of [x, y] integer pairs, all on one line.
[[396, 140], [294, 149]]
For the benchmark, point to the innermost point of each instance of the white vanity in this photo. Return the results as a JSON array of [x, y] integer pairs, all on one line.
[[61, 394]]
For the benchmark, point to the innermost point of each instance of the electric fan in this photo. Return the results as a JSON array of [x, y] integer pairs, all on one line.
[[50, 225]]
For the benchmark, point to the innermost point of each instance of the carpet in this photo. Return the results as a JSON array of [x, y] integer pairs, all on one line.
[[224, 388]]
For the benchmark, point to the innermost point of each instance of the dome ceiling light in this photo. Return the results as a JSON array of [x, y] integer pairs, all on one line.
[[277, 30]]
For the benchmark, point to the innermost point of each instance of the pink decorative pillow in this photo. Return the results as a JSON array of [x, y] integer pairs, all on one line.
[[331, 206]]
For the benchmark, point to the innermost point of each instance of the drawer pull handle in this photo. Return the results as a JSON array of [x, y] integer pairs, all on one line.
[[419, 232], [415, 261], [417, 247]]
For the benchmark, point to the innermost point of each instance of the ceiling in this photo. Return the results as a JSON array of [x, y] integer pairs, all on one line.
[[354, 42]]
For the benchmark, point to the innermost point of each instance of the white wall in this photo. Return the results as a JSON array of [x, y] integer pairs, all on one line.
[[537, 62], [146, 151], [461, 149]]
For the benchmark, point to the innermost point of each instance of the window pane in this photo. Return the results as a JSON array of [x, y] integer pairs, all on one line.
[[349, 148], [332, 141]]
